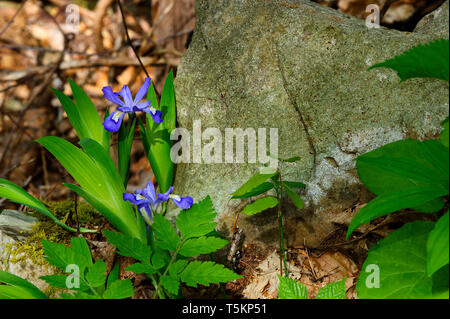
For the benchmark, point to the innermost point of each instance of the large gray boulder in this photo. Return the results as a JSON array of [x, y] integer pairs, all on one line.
[[301, 68]]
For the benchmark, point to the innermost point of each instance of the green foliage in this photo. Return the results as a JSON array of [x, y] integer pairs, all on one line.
[[163, 258], [438, 246], [101, 184], [126, 134], [260, 205], [84, 278], [412, 261], [251, 185], [292, 289], [402, 261], [17, 194], [156, 138], [429, 60], [83, 115]]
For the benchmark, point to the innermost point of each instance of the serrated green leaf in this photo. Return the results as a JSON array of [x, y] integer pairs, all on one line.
[[440, 283], [389, 203], [429, 60], [81, 252], [166, 236], [261, 189], [260, 205], [58, 255], [334, 290], [202, 245], [129, 246], [140, 268], [119, 289], [96, 274], [178, 267], [438, 245], [254, 181], [298, 202], [171, 284], [160, 258], [400, 260], [291, 289], [198, 220], [17, 194], [206, 273], [60, 281], [18, 288]]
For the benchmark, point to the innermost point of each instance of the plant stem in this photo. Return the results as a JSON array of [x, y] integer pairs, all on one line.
[[167, 269], [280, 219]]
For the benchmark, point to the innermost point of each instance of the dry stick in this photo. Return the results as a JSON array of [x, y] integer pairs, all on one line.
[[13, 17], [130, 43], [100, 12], [385, 8]]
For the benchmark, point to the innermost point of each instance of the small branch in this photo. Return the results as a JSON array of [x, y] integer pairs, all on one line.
[[13, 18]]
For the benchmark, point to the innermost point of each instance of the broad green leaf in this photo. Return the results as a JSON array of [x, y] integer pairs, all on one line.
[[126, 134], [399, 261], [96, 275], [291, 289], [404, 164], [444, 137], [298, 202], [198, 220], [97, 175], [254, 181], [58, 255], [206, 273], [18, 288], [260, 205], [166, 235], [258, 190], [294, 184], [438, 245], [140, 268], [17, 194], [178, 267], [119, 289], [334, 290], [129, 246], [171, 284], [202, 245], [168, 104], [440, 283], [429, 60], [389, 203]]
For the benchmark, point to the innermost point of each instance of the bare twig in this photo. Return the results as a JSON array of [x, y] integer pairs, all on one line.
[[13, 17], [100, 12], [130, 43]]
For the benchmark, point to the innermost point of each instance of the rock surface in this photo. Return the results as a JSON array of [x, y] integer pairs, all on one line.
[[301, 68], [14, 228]]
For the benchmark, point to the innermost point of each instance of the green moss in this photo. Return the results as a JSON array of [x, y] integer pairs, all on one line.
[[85, 212]]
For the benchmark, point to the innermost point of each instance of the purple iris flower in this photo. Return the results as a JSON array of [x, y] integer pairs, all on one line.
[[148, 200], [182, 202], [128, 105]]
